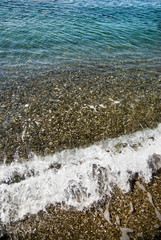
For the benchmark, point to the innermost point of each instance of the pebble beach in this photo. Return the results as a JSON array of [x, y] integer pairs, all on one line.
[[80, 117]]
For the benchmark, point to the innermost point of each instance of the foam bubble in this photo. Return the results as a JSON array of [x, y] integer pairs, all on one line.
[[78, 177]]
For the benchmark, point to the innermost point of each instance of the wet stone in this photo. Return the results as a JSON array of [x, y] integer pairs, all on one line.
[[46, 112], [74, 108], [137, 218]]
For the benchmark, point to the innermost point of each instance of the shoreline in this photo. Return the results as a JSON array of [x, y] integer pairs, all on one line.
[[56, 112], [134, 215]]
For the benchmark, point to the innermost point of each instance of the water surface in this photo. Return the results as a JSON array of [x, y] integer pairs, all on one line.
[[79, 75]]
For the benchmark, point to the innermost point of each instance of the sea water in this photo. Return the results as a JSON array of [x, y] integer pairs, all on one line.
[[59, 32], [78, 177], [78, 80]]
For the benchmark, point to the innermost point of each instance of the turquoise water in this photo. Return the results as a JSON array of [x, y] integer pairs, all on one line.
[[65, 31], [78, 79], [64, 63]]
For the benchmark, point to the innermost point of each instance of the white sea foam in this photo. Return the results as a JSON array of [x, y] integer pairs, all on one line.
[[78, 177]]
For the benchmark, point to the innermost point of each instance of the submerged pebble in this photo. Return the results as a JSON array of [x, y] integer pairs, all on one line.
[[71, 117]]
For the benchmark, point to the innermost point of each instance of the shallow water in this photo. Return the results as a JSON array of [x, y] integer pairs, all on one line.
[[78, 177], [56, 32], [77, 74]]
